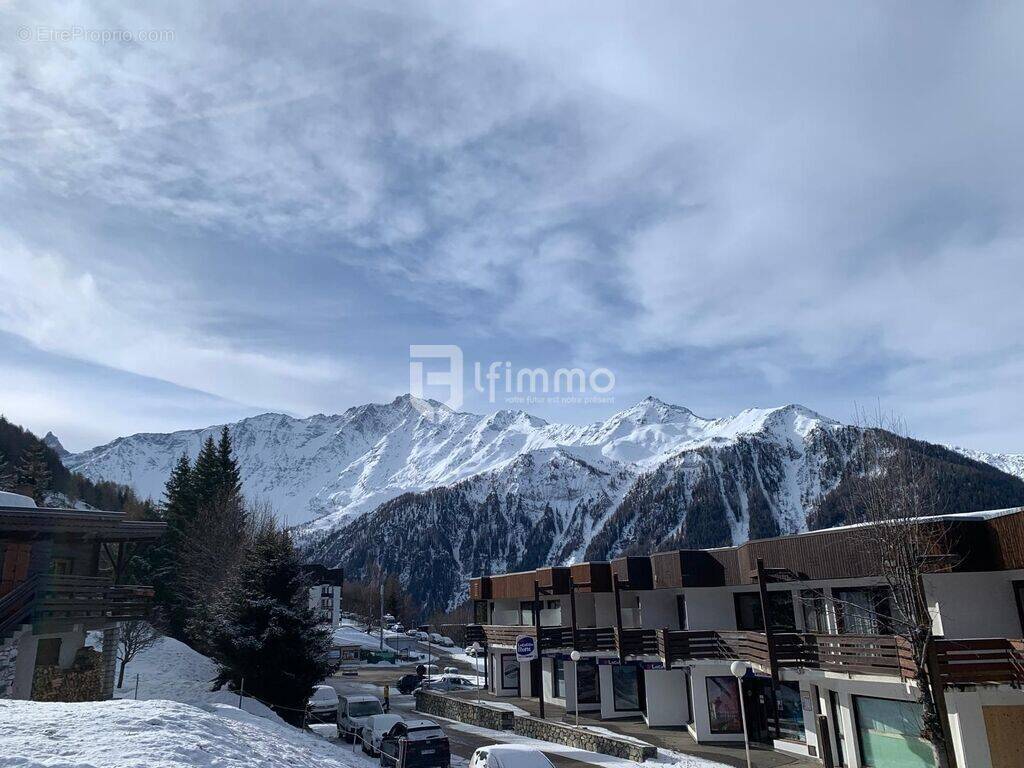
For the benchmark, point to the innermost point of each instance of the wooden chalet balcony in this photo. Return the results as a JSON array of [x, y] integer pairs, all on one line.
[[981, 660], [505, 634], [677, 645], [854, 654], [637, 642], [46, 600]]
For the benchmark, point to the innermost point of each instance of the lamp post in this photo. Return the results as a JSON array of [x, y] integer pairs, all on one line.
[[476, 663], [739, 669], [575, 656]]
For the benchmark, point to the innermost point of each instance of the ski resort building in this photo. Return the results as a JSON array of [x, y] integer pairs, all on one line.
[[828, 677], [325, 592], [61, 578]]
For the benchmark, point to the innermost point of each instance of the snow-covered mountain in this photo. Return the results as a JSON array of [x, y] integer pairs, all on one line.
[[334, 467], [1010, 463], [437, 496]]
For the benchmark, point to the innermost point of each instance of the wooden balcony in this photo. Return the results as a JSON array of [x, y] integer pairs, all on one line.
[[53, 601], [678, 646], [637, 642], [980, 661], [885, 655], [506, 634]]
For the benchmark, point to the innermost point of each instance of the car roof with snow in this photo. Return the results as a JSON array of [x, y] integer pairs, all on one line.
[[360, 697], [517, 755], [324, 693]]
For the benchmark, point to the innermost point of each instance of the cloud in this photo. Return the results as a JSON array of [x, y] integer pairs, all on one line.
[[820, 201]]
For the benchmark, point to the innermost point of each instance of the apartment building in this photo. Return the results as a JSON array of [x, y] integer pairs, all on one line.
[[61, 578], [325, 592], [827, 679]]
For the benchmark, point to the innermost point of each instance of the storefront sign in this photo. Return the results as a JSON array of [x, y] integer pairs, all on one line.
[[526, 648]]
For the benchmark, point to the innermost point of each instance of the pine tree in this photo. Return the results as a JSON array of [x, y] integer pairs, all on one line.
[[34, 473], [264, 630], [207, 473], [8, 479], [165, 560], [230, 476]]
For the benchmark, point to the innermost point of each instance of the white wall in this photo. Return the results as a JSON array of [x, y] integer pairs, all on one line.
[[666, 697], [658, 609], [710, 608], [604, 607], [974, 604], [701, 727]]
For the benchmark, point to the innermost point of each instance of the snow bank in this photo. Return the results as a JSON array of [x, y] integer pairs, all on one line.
[[173, 671], [156, 734]]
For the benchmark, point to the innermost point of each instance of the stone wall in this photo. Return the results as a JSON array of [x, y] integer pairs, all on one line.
[[581, 738], [82, 681], [496, 719], [8, 662], [464, 711]]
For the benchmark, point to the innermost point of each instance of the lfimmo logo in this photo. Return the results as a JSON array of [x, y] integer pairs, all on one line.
[[526, 648]]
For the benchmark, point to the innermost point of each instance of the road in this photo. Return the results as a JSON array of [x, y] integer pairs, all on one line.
[[372, 681]]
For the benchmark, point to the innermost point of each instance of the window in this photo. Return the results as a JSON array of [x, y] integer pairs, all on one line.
[[62, 566], [889, 734], [724, 705], [812, 605], [863, 611], [526, 612], [1018, 592], [791, 711], [625, 688], [588, 687], [558, 679], [509, 671], [553, 605], [780, 606]]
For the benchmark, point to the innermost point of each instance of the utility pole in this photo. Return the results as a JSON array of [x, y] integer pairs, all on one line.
[[539, 661], [382, 615]]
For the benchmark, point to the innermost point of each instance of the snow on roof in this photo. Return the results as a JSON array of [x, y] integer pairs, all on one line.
[[158, 734], [8, 499]]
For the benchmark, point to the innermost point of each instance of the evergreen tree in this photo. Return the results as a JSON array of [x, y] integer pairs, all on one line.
[[265, 632], [207, 473], [230, 476], [164, 560], [34, 472], [8, 479]]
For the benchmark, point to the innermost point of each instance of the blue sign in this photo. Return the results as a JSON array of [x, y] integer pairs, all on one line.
[[526, 648]]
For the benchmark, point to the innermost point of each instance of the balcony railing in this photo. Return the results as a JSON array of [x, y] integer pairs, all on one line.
[[854, 654], [683, 645], [637, 642], [982, 660], [45, 599]]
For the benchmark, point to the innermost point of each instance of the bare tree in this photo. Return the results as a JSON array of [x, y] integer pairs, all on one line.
[[897, 502], [133, 637]]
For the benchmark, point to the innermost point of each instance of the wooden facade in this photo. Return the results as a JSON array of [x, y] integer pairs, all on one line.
[[970, 543]]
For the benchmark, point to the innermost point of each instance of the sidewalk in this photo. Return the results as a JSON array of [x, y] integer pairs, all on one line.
[[671, 739]]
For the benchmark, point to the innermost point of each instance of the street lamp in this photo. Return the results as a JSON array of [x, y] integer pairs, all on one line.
[[476, 663], [575, 656], [739, 669]]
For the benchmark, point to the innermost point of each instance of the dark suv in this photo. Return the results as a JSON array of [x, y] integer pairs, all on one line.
[[408, 683], [415, 744]]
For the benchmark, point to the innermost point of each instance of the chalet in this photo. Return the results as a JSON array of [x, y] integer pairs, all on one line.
[[828, 677], [61, 583]]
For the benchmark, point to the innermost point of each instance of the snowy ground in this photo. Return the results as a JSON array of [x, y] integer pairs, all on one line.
[[172, 670], [157, 734]]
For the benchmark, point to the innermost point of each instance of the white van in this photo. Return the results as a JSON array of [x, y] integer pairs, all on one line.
[[353, 712]]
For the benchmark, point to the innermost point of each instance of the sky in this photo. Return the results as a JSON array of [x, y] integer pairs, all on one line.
[[211, 210]]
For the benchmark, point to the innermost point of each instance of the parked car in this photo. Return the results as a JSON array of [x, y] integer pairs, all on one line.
[[322, 706], [398, 627], [446, 641], [447, 683], [509, 756], [422, 636], [472, 652], [436, 638], [411, 632], [353, 712], [415, 744], [375, 729], [408, 683], [451, 670]]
